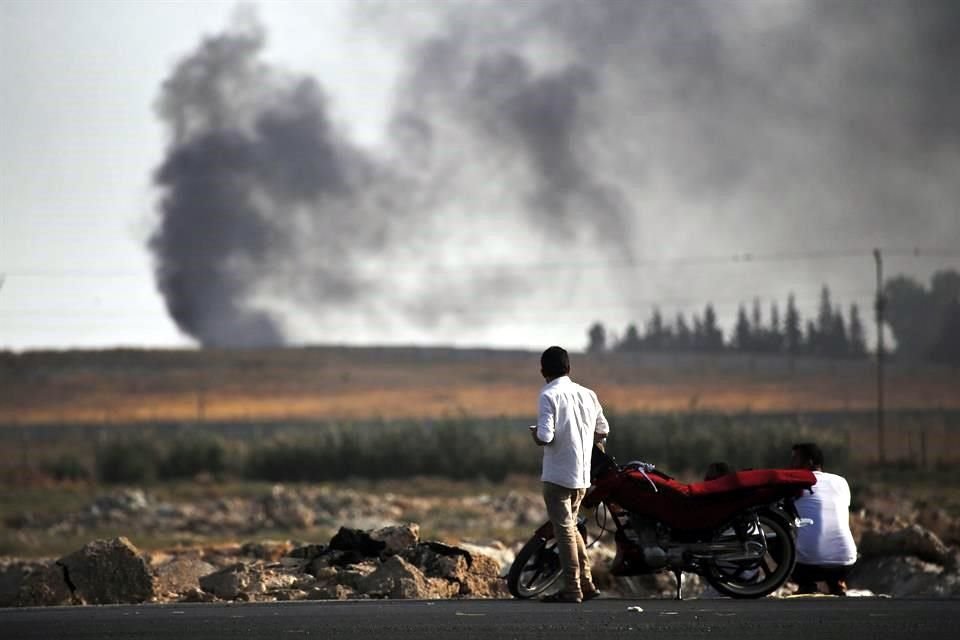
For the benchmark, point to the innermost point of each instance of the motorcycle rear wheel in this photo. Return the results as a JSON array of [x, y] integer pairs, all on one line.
[[756, 578], [535, 569]]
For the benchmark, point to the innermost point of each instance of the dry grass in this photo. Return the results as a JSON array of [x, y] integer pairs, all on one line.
[[355, 384]]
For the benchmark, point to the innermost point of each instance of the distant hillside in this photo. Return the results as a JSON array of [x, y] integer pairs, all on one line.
[[129, 385]]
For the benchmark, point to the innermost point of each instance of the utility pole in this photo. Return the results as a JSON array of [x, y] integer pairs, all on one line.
[[880, 304]]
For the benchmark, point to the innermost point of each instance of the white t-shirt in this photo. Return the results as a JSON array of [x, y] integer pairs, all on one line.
[[828, 541], [567, 417]]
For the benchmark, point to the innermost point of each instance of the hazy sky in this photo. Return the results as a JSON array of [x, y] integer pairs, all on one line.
[[491, 173], [79, 141]]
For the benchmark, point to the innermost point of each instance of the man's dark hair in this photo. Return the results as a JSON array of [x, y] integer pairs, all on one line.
[[810, 452], [555, 362]]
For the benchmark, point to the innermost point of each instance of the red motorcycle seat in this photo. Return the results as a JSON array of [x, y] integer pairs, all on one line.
[[752, 479], [700, 505]]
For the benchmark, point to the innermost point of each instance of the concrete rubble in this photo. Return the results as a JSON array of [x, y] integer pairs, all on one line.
[[108, 572], [903, 555], [387, 562]]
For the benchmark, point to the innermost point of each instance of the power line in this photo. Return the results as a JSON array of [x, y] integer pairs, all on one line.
[[862, 294], [702, 260]]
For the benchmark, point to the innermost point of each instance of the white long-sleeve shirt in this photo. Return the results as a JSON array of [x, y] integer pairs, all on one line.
[[568, 416], [828, 541]]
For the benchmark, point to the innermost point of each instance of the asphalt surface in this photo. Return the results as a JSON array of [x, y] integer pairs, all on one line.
[[810, 619]]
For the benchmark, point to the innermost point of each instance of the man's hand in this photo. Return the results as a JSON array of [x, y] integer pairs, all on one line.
[[600, 440], [538, 441]]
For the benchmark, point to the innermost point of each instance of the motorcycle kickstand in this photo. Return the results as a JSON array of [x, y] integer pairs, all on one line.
[[678, 575]]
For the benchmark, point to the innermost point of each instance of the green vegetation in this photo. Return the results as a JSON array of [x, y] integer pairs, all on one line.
[[457, 450], [127, 463], [192, 456], [686, 444], [138, 461], [67, 467], [682, 444]]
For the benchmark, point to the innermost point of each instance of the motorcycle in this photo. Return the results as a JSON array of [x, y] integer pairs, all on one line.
[[738, 531]]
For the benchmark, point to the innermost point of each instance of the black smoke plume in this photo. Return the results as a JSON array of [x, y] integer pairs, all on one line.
[[557, 131]]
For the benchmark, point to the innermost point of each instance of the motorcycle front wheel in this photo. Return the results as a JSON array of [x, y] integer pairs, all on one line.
[[535, 569], [758, 577]]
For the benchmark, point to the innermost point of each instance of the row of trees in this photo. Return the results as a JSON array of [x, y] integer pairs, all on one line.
[[925, 324], [925, 321], [831, 334]]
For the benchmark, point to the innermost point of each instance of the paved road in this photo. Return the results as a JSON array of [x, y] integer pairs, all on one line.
[[808, 619]]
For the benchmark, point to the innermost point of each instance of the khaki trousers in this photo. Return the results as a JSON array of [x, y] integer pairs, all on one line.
[[562, 507]]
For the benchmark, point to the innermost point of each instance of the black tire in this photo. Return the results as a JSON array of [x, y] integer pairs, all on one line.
[[535, 569], [756, 578]]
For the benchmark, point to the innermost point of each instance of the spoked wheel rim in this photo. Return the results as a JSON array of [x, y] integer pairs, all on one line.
[[539, 571], [754, 578]]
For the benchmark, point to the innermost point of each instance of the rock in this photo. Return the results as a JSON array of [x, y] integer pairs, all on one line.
[[250, 596], [12, 574], [222, 555], [108, 572], [181, 575], [913, 540], [271, 550], [241, 581], [344, 558], [291, 594], [357, 542], [948, 587], [483, 565], [477, 586], [197, 595], [272, 581], [439, 560], [287, 509], [331, 592], [308, 552], [468, 573], [126, 502], [397, 538], [898, 576], [398, 579], [441, 588], [229, 582], [294, 564], [497, 550], [44, 585], [319, 565], [355, 575], [937, 520]]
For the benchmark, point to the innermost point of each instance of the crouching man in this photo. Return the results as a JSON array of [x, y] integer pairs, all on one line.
[[826, 551]]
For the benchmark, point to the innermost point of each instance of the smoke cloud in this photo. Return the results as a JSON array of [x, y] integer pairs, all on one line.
[[553, 132]]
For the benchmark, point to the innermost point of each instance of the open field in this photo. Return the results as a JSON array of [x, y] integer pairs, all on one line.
[[328, 383], [55, 404], [230, 424]]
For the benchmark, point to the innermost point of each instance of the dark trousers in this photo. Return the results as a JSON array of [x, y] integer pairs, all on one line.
[[808, 575]]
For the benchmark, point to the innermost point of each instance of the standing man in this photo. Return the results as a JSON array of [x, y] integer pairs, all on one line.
[[569, 422], [826, 551]]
